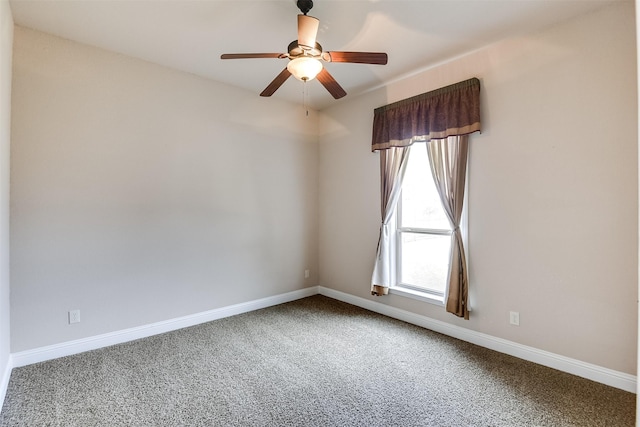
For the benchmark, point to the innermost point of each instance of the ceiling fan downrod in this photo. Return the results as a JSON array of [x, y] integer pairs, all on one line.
[[304, 5]]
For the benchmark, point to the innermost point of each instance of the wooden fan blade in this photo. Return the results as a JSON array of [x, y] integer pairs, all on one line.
[[276, 83], [377, 58], [331, 84], [307, 31], [252, 55]]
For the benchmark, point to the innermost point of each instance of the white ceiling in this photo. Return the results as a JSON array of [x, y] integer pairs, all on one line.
[[191, 35]]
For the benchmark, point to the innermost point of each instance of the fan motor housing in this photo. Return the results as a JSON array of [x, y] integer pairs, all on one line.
[[296, 51]]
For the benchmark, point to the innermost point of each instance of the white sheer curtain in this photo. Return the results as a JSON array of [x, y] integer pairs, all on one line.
[[393, 163]]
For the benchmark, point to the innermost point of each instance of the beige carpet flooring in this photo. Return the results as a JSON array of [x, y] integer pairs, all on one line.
[[311, 362]]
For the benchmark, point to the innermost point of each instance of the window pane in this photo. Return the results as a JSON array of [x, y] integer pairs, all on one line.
[[425, 260], [421, 206]]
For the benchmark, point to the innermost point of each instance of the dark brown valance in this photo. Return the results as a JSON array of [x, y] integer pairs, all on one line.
[[448, 111]]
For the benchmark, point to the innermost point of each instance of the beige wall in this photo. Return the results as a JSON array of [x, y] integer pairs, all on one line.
[[553, 195], [6, 34], [637, 16], [141, 194]]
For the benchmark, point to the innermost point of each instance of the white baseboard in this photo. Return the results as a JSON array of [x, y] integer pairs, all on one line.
[[596, 373], [54, 351], [4, 380]]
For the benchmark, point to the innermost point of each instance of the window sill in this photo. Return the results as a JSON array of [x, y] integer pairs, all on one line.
[[417, 295]]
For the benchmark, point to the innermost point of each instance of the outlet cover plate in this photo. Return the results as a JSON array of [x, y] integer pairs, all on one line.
[[74, 316], [514, 318]]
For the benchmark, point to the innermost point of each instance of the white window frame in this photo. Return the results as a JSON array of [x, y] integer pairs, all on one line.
[[414, 292]]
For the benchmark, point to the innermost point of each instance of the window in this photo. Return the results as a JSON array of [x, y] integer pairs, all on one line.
[[423, 232], [444, 118]]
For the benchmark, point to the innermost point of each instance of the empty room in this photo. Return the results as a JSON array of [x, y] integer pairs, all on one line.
[[328, 213]]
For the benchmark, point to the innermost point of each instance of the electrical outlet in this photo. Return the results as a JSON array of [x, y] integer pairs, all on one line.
[[74, 316], [306, 274], [514, 318]]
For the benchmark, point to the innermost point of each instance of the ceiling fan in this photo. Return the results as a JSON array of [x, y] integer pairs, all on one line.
[[305, 55]]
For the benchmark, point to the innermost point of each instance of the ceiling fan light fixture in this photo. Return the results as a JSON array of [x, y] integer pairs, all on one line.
[[304, 68]]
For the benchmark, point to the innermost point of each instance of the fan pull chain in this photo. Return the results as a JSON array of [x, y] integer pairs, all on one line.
[[305, 95]]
